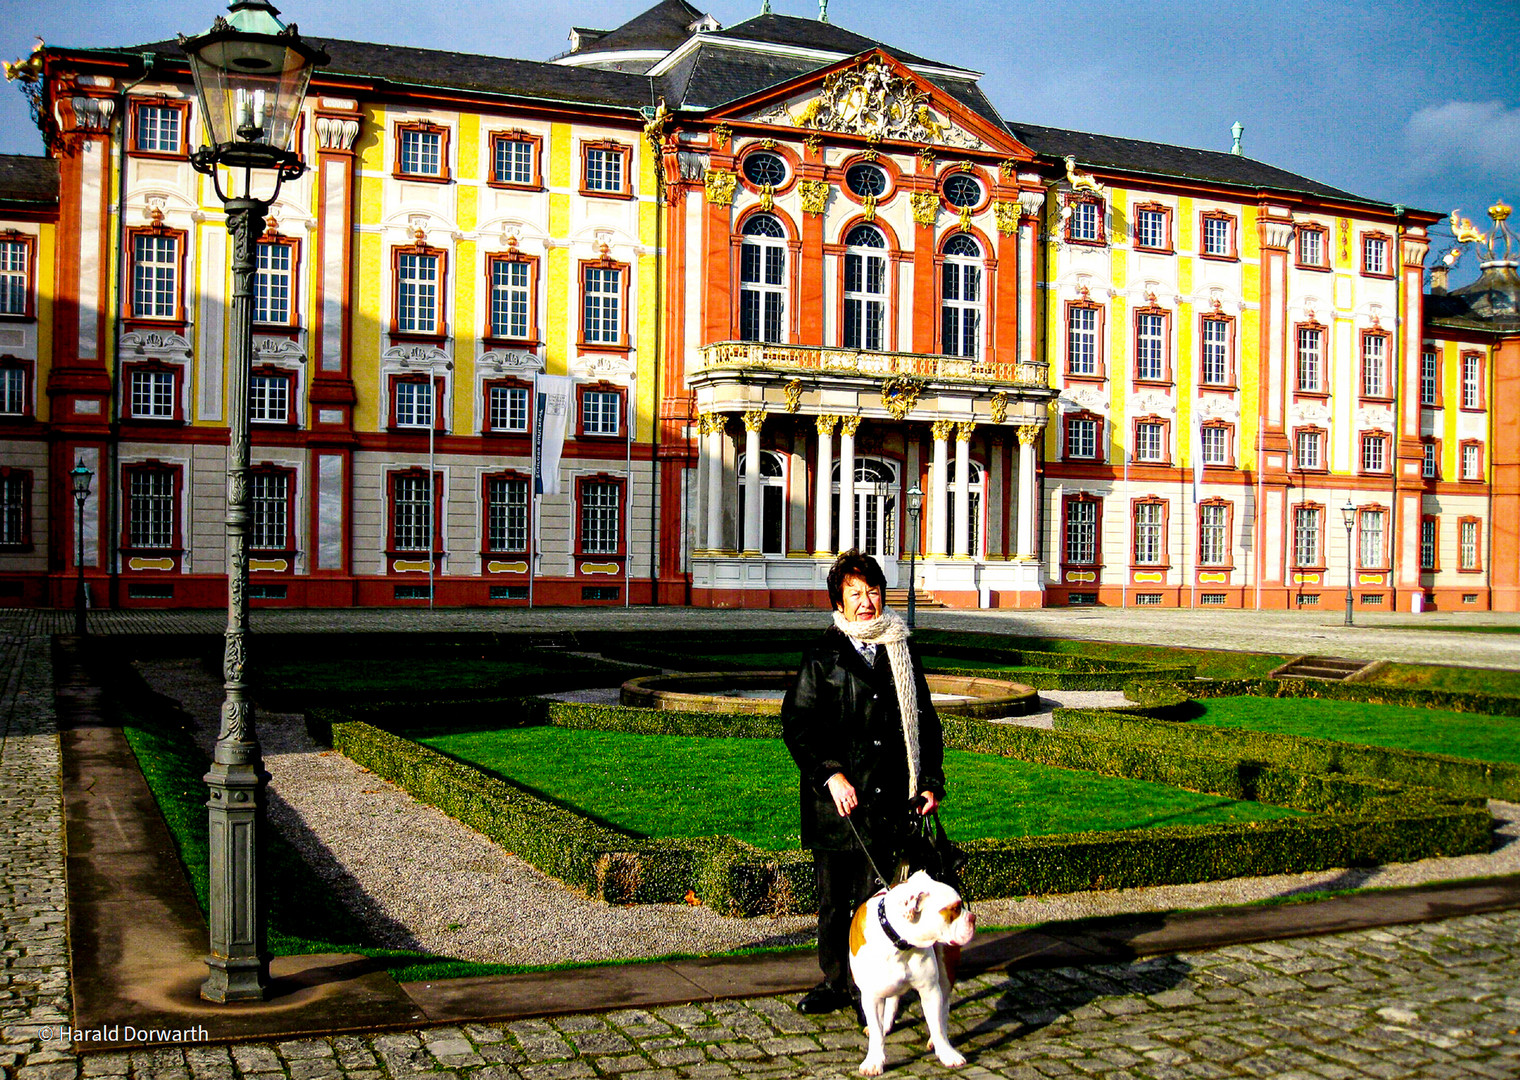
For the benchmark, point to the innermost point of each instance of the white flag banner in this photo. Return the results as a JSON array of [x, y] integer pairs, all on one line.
[[551, 395], [1197, 455]]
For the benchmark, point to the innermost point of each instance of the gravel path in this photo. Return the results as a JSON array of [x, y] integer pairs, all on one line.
[[423, 881]]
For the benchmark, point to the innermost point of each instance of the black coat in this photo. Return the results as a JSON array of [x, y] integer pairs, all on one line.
[[842, 716]]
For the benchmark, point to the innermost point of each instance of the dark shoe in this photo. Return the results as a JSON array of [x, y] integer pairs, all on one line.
[[823, 998]]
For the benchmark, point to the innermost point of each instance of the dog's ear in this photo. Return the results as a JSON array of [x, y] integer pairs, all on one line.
[[913, 906]]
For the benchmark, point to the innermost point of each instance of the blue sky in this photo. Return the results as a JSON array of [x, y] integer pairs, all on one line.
[[1417, 103]]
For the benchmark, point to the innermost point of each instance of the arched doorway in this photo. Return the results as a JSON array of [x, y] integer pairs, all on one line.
[[876, 487], [772, 502]]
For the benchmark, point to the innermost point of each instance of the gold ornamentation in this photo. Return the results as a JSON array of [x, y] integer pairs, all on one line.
[[767, 197], [1463, 229], [1345, 237], [870, 99], [925, 207], [1007, 216], [1007, 167], [825, 422], [654, 129], [722, 134], [900, 394], [720, 187], [848, 425], [868, 207], [926, 158], [815, 195], [870, 154], [1028, 433], [1500, 210], [793, 392], [768, 144], [999, 407], [966, 166], [753, 418], [941, 429], [813, 142], [1081, 181], [963, 431], [965, 219]]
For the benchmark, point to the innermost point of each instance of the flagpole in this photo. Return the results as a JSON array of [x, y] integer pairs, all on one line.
[[631, 419], [538, 421]]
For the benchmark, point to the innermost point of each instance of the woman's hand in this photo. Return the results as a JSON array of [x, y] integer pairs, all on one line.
[[843, 793], [928, 804]]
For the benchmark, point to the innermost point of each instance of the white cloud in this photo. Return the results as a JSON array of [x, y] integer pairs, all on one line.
[[1461, 135]]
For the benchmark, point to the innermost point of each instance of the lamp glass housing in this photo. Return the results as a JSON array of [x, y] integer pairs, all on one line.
[[915, 500], [81, 479], [1348, 514]]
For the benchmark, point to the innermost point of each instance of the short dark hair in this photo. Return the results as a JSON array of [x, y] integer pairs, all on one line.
[[853, 563]]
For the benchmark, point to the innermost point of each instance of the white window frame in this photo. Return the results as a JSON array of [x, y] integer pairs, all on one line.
[[1081, 340], [1374, 366], [13, 391], [1430, 385], [1472, 381], [155, 276], [1082, 434], [511, 299], [412, 511], [1217, 233], [1150, 228], [601, 412], [601, 517], [1311, 359], [1430, 467], [15, 277], [962, 300], [512, 161], [602, 306], [1306, 535], [269, 509], [152, 505], [1213, 534], [1150, 533], [763, 280], [1467, 546], [1150, 346], [1216, 352], [1374, 453], [152, 394], [420, 152], [1214, 442], [864, 325], [604, 170], [1150, 441], [1305, 440], [1371, 534], [159, 129], [417, 292], [1086, 220], [1472, 462], [274, 284], [1429, 543], [1374, 255], [507, 407], [1081, 547], [264, 406], [413, 400], [507, 501]]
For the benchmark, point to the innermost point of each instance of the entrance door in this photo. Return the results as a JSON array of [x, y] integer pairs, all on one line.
[[875, 512]]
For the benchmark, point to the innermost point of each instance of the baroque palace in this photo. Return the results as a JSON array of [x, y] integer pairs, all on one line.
[[812, 292]]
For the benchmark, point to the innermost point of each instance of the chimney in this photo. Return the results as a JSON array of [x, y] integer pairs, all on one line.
[[1438, 276]]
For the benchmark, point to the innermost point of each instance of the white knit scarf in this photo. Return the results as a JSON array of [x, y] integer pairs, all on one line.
[[889, 631]]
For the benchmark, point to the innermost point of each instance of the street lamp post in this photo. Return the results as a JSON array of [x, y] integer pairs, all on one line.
[[82, 477], [1348, 518], [915, 506], [251, 72]]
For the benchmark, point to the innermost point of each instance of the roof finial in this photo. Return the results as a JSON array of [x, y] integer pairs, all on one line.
[[1237, 129], [823, 10], [765, 7]]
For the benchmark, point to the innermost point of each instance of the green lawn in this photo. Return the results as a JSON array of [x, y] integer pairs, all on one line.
[[441, 674], [1460, 679], [747, 788], [1466, 735]]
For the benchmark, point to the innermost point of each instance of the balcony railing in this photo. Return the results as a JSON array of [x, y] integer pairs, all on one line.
[[770, 357]]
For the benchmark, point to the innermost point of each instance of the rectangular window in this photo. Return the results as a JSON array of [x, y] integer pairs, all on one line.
[[513, 161], [762, 288], [416, 293], [1427, 543], [1082, 533], [1218, 236], [1213, 534], [1082, 340], [602, 316], [1086, 222], [272, 283], [1374, 255], [158, 129], [421, 152], [269, 493], [1430, 467], [1374, 366], [1150, 229], [1311, 247], [1472, 381], [1150, 441], [507, 514], [1310, 445], [150, 508], [1472, 461], [1311, 355], [1150, 347], [14, 491], [1150, 538], [511, 298], [1306, 536], [601, 412], [152, 395], [865, 305], [155, 276], [1430, 378], [1215, 441], [269, 398], [1374, 453], [960, 312], [509, 408], [604, 170], [1082, 438], [15, 277], [13, 391], [412, 511], [601, 515], [1468, 551], [1216, 352], [414, 404], [1370, 539]]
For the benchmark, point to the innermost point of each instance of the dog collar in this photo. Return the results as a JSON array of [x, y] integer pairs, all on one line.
[[892, 935]]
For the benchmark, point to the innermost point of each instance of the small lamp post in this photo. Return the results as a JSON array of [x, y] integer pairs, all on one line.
[[1348, 519], [81, 477], [915, 507], [251, 72]]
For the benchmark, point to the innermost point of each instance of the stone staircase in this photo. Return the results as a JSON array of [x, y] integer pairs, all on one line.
[[897, 600], [1329, 668]]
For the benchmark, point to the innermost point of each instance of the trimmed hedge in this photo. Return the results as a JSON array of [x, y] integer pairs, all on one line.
[[1368, 692], [1462, 776]]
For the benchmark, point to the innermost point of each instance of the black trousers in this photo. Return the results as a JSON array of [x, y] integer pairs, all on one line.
[[845, 881]]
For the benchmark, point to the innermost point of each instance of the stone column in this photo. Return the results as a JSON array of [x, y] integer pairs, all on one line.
[[940, 429], [1028, 492], [753, 506], [847, 426], [715, 486], [823, 488], [962, 524]]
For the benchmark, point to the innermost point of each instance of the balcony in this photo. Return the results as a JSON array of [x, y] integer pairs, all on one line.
[[764, 356]]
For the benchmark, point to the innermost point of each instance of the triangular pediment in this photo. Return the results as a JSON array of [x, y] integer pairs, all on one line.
[[874, 97]]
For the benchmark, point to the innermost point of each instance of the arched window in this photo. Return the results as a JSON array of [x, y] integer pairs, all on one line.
[[976, 486], [772, 501], [875, 510], [961, 298], [865, 289], [762, 280]]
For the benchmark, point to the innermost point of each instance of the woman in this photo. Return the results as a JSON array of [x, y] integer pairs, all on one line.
[[861, 764]]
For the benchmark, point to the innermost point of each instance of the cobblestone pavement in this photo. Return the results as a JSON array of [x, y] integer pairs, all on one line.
[[1430, 638]]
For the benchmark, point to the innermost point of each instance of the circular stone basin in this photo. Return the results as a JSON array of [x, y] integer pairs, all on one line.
[[759, 693]]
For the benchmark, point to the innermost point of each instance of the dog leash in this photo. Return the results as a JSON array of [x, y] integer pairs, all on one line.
[[867, 852]]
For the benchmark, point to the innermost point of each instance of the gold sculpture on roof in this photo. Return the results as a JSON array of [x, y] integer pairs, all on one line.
[[872, 100], [1081, 181]]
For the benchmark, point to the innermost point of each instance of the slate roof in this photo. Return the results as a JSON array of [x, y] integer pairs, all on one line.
[[663, 27], [711, 76], [1490, 303], [812, 34], [1161, 159], [28, 182]]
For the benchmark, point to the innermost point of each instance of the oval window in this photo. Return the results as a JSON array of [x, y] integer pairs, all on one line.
[[762, 169], [866, 180], [963, 190]]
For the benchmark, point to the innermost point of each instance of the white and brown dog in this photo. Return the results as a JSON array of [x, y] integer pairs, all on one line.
[[897, 941]]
